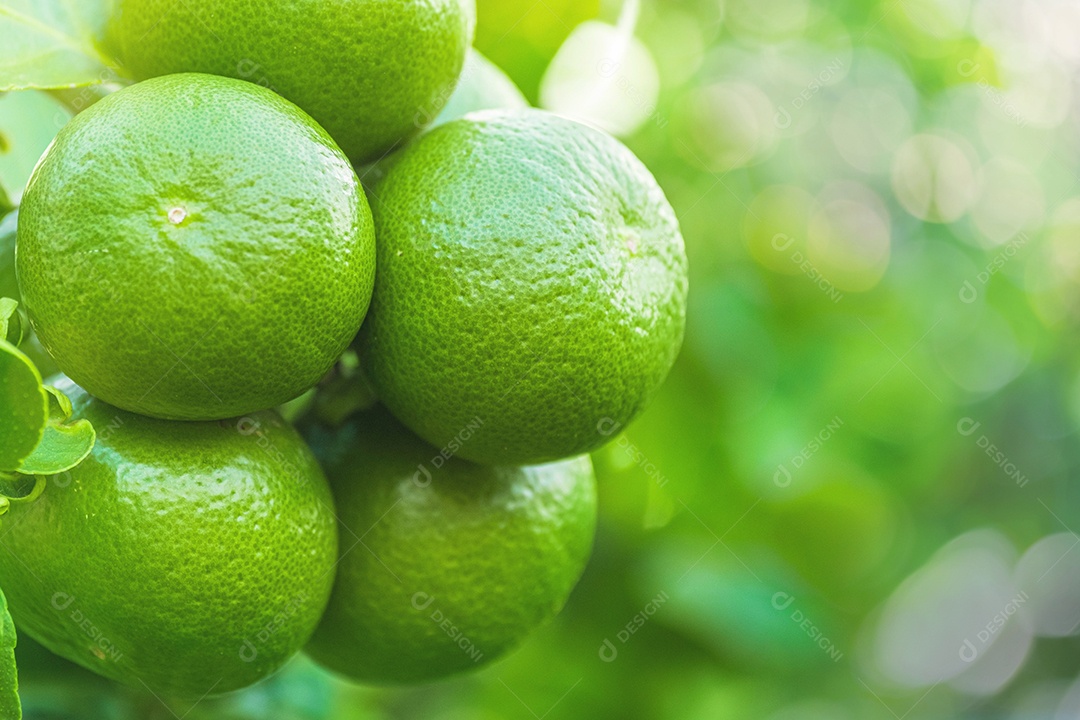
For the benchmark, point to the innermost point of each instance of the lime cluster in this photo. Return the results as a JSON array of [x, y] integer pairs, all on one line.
[[197, 249]]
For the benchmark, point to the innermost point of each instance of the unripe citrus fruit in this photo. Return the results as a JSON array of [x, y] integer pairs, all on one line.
[[364, 69], [482, 86], [195, 247], [532, 283], [191, 558], [445, 565]]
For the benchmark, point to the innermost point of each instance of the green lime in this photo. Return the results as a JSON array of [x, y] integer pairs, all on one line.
[[195, 248], [365, 69], [482, 86], [191, 558], [531, 289], [445, 565]]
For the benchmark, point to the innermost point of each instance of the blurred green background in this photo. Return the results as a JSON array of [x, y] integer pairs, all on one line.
[[854, 497]]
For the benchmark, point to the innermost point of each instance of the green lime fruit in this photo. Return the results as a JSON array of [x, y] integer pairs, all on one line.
[[482, 86], [445, 565], [531, 288], [195, 248], [364, 69], [191, 558]]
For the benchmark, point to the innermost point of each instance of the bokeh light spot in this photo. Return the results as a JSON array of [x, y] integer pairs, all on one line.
[[934, 179]]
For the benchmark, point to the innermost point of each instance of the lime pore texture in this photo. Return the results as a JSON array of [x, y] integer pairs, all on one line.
[[195, 248], [193, 558], [445, 565], [370, 71], [531, 288]]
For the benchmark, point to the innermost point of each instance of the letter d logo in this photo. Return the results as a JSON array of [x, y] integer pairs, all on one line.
[[422, 476], [782, 600], [248, 653], [782, 242], [782, 477], [607, 426], [967, 426], [968, 293], [247, 426], [782, 119]]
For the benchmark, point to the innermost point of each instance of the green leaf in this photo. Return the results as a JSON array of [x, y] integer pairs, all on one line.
[[24, 407], [344, 391], [63, 445], [10, 708], [6, 205], [11, 325], [59, 404], [53, 43], [28, 123]]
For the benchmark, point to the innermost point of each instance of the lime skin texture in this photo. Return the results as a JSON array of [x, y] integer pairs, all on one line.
[[459, 563], [188, 557], [364, 69], [532, 281], [195, 248]]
